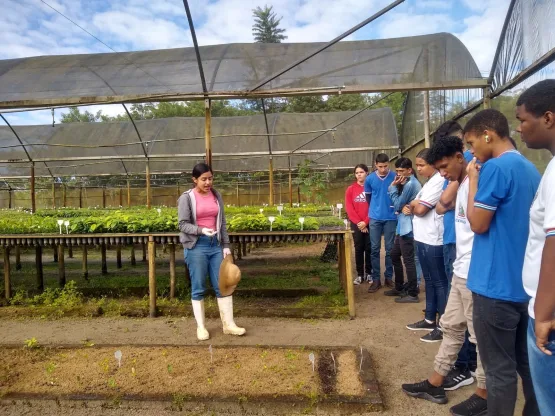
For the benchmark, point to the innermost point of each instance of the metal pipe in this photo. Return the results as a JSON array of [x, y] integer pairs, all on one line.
[[327, 45], [500, 42], [136, 131], [195, 44]]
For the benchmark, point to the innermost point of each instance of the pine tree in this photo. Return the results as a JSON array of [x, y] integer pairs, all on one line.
[[266, 26]]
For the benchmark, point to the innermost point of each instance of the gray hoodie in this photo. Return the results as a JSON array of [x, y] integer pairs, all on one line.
[[187, 217]]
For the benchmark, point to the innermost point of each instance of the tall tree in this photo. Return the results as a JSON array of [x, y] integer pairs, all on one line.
[[266, 26]]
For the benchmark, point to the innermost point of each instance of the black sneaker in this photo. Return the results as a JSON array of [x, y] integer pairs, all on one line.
[[393, 292], [457, 378], [407, 299], [435, 336], [422, 325], [473, 406], [424, 390]]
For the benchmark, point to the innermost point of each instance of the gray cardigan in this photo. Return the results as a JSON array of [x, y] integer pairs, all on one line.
[[189, 232]]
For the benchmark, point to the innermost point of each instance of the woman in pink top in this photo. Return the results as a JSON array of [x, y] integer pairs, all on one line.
[[205, 242]]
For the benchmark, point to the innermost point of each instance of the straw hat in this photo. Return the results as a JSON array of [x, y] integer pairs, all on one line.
[[230, 275]]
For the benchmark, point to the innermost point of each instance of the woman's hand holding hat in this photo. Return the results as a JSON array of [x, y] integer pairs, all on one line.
[[227, 252]]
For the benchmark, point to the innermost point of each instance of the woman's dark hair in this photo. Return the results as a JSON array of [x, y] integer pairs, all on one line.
[[362, 166], [423, 154], [403, 163], [201, 168], [449, 128]]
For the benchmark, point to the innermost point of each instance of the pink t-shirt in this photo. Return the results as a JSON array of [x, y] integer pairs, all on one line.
[[207, 210]]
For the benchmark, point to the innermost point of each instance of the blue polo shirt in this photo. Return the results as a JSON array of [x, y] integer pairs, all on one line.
[[381, 206], [449, 217], [507, 186]]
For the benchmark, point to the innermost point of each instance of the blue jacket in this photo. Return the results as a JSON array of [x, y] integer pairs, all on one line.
[[410, 190]]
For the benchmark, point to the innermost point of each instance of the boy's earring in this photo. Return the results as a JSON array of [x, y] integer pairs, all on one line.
[[487, 139]]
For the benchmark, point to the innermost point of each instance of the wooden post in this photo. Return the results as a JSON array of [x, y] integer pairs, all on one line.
[[144, 251], [244, 247], [61, 266], [103, 197], [17, 258], [118, 256], [148, 195], [237, 189], [121, 197], [54, 195], [239, 251], [152, 276], [133, 260], [85, 263], [348, 250], [487, 103], [298, 194], [103, 257], [55, 254], [207, 131], [64, 193], [172, 271], [290, 188], [426, 96], [10, 198], [341, 266], [271, 202], [128, 194], [38, 266], [69, 250], [81, 197], [7, 274], [178, 190], [33, 200]]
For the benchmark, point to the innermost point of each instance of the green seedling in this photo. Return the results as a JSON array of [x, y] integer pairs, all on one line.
[[170, 368], [31, 343], [112, 382]]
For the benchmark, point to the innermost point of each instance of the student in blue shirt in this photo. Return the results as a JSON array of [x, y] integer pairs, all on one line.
[[499, 199], [402, 191], [383, 220]]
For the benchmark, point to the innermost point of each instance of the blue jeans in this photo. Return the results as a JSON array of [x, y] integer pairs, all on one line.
[[542, 367], [377, 229], [204, 259], [449, 256], [418, 267], [433, 268], [467, 358]]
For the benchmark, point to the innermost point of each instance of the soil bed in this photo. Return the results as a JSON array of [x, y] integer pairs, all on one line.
[[280, 375]]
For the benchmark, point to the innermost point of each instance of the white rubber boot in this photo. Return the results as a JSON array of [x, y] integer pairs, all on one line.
[[226, 313], [198, 311]]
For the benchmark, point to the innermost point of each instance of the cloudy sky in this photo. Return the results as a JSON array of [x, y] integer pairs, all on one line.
[[31, 28]]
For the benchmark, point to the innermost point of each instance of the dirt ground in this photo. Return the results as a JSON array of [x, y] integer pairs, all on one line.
[[398, 355]]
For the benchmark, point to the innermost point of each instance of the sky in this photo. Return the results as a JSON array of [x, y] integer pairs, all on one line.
[[31, 28]]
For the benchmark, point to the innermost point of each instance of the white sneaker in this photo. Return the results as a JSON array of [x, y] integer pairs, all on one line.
[[368, 279], [357, 281]]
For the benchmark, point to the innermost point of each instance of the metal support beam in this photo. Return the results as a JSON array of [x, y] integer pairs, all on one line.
[[207, 131], [500, 42], [485, 94], [195, 44], [145, 151], [327, 45], [148, 190]]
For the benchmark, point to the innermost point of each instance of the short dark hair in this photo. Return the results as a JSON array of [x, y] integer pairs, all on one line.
[[449, 128], [423, 154], [201, 168], [362, 166], [489, 119], [403, 163], [539, 98], [444, 147], [382, 158]]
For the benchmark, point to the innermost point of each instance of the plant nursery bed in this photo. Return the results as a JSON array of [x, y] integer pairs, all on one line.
[[283, 379]]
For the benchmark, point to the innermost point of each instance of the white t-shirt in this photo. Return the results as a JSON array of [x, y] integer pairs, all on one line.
[[463, 233], [429, 228], [542, 226]]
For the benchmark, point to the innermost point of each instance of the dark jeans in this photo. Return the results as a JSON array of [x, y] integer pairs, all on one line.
[[467, 359], [377, 229], [433, 269], [501, 332], [362, 251], [449, 256], [542, 367], [403, 247]]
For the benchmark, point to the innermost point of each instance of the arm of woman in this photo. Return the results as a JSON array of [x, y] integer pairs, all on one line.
[[350, 206], [185, 216]]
